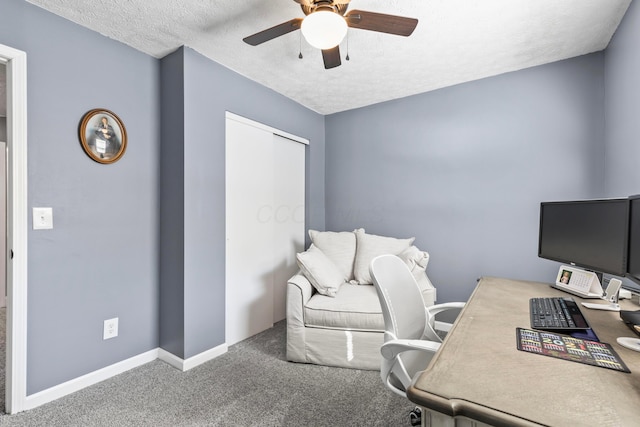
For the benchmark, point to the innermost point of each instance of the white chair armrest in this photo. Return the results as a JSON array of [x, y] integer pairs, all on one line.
[[432, 325], [442, 326], [391, 349], [393, 366], [439, 308]]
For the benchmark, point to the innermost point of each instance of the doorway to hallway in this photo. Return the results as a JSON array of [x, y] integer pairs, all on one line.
[[15, 63]]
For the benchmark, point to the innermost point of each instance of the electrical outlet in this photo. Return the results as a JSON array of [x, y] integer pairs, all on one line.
[[110, 328]]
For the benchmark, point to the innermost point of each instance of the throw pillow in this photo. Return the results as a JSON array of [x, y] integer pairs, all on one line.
[[369, 246], [416, 260], [321, 272], [339, 247]]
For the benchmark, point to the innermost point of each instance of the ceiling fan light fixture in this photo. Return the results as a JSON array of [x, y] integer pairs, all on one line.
[[324, 29]]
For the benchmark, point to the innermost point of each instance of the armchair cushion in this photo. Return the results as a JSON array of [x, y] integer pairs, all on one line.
[[320, 271], [370, 246], [339, 247], [355, 308]]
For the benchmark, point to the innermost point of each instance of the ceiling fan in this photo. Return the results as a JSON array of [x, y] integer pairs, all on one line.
[[326, 24]]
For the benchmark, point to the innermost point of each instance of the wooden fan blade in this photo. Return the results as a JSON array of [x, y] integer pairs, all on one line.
[[331, 57], [273, 32], [380, 22]]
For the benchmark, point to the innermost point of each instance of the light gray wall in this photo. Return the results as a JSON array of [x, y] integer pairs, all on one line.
[[622, 82], [463, 169], [172, 169], [622, 104], [208, 90], [100, 260]]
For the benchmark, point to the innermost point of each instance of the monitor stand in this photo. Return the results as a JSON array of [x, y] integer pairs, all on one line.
[[595, 306], [632, 319], [611, 296], [630, 343]]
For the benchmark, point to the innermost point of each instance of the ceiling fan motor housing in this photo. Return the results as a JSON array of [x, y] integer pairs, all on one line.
[[326, 5]]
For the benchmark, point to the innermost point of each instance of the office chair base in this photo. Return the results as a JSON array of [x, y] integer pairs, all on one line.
[[415, 416]]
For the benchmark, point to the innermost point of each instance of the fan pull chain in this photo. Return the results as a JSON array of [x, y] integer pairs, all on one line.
[[347, 57], [300, 49]]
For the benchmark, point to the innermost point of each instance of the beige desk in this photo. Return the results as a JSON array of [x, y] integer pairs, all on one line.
[[479, 374]]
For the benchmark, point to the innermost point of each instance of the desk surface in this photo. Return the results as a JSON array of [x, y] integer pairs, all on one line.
[[480, 374]]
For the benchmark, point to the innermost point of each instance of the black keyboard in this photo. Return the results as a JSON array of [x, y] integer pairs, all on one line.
[[556, 314]]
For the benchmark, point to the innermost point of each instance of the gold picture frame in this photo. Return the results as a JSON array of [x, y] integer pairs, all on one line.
[[103, 136]]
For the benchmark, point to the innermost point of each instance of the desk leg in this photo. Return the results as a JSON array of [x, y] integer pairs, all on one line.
[[437, 419]]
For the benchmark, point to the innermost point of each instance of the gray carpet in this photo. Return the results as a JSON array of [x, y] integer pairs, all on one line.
[[251, 385]]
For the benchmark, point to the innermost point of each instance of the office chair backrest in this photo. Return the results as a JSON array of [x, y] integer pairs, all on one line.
[[400, 298], [405, 318]]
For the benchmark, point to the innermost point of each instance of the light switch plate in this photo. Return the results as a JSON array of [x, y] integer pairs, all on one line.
[[42, 218]]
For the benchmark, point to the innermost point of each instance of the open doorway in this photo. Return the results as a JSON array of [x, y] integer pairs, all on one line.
[[15, 390], [3, 227]]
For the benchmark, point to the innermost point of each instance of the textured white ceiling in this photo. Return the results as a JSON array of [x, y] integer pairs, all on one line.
[[455, 41]]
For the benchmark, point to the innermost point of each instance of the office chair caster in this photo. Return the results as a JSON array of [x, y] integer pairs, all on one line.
[[415, 417]]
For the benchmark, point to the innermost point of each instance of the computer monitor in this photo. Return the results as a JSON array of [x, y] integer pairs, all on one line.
[[633, 258], [591, 234], [632, 317]]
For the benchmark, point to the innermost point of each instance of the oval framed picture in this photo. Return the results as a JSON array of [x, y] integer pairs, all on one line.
[[103, 135]]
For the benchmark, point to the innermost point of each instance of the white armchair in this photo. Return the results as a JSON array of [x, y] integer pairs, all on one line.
[[345, 327], [411, 336]]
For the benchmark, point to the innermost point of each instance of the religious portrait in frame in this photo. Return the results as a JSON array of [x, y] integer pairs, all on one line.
[[103, 136]]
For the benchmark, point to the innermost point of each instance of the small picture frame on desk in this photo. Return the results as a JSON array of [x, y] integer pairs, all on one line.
[[103, 136], [579, 282]]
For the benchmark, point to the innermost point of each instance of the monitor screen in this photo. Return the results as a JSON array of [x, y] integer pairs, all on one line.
[[591, 234], [633, 263]]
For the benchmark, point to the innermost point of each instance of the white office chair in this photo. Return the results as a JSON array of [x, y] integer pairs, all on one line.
[[410, 338]]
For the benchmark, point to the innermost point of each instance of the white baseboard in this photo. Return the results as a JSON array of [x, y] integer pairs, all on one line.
[[192, 362], [56, 392], [76, 384]]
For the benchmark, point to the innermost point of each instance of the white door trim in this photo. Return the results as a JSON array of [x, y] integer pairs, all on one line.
[[237, 118], [16, 362]]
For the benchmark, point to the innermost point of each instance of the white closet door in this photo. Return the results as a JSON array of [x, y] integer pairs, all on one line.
[[288, 216], [249, 256], [264, 225]]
